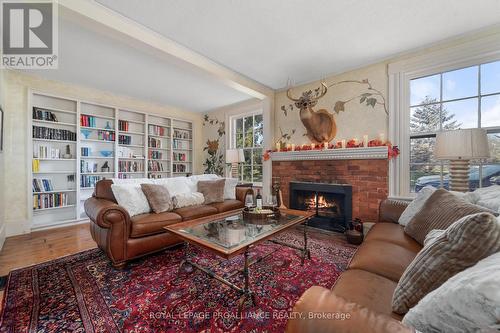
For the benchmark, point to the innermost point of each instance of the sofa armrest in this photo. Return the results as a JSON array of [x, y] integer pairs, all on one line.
[[320, 310], [106, 213], [241, 192], [390, 210]]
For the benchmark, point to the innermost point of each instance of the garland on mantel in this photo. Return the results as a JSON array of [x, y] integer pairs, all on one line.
[[393, 151]]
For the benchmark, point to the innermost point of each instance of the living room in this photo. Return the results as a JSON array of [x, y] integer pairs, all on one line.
[[263, 166]]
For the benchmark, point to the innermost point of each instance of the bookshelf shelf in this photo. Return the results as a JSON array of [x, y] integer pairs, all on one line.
[[134, 128]]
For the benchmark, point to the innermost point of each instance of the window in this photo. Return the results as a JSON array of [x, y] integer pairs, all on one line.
[[248, 135], [463, 98]]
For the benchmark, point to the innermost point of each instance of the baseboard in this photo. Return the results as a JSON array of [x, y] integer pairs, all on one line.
[[62, 224], [2, 236]]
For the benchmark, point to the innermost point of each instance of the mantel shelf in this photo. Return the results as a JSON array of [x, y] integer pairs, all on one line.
[[333, 154]]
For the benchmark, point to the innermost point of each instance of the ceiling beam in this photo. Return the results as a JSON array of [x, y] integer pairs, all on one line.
[[102, 19]]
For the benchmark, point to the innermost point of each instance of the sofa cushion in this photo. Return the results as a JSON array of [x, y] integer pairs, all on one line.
[[158, 197], [227, 205], [462, 245], [393, 233], [194, 212], [367, 289], [416, 205], [213, 190], [188, 199], [150, 224], [385, 259], [440, 211], [230, 188], [131, 197]]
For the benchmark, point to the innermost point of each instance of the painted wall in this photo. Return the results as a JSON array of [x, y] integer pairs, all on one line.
[[15, 136], [356, 120], [2, 168]]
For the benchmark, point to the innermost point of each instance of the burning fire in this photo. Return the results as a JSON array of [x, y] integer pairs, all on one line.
[[318, 201]]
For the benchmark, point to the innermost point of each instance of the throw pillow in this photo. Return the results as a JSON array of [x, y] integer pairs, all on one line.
[[176, 185], [230, 188], [462, 245], [432, 235], [416, 205], [196, 178], [467, 302], [213, 190], [131, 197], [188, 199], [158, 197], [439, 212]]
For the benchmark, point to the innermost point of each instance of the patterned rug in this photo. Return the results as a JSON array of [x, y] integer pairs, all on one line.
[[84, 293]]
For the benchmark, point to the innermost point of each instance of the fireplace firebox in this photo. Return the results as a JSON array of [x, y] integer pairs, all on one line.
[[331, 203]]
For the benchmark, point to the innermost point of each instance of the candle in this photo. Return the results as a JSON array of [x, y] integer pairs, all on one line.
[[365, 140], [325, 145], [288, 146], [293, 146], [312, 145], [355, 141], [278, 146], [381, 137], [343, 143]]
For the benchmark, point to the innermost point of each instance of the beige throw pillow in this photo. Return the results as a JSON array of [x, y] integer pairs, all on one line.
[[158, 197], [213, 190], [462, 245], [439, 212]]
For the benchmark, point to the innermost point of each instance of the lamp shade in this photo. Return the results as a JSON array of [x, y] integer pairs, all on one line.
[[234, 156], [462, 144]]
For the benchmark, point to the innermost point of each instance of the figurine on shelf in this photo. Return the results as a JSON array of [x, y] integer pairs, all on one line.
[[105, 167], [68, 153], [108, 126]]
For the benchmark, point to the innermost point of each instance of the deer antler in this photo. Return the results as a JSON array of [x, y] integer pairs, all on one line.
[[290, 96], [324, 89]]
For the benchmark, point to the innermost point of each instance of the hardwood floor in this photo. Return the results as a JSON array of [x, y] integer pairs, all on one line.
[[25, 250]]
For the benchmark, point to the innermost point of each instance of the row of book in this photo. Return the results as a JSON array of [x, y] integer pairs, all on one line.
[[42, 185], [125, 139], [47, 133], [89, 181], [87, 121], [180, 144], [180, 168], [86, 151], [155, 155], [156, 166], [86, 166], [44, 114], [154, 143], [42, 201], [157, 130], [179, 157], [180, 134], [47, 151], [130, 166], [123, 125], [155, 175], [106, 135]]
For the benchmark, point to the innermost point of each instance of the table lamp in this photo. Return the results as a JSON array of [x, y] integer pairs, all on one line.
[[460, 146], [233, 157]]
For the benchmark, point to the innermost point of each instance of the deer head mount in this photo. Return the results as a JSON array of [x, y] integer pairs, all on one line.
[[320, 125]]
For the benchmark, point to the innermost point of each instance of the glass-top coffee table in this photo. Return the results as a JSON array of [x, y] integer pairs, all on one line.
[[229, 234]]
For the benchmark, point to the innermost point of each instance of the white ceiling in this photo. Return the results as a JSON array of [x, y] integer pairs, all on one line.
[[271, 40], [89, 58]]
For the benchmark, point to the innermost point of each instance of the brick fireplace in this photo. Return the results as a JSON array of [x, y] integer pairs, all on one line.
[[368, 178]]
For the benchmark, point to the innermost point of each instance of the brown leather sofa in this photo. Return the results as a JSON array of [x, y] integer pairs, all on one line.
[[364, 291], [124, 238]]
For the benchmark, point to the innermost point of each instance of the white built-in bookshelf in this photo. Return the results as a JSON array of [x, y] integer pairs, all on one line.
[[103, 142]]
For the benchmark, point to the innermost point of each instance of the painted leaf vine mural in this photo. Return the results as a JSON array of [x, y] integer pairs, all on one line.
[[214, 163]]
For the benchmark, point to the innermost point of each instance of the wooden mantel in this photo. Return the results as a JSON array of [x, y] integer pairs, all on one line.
[[361, 153]]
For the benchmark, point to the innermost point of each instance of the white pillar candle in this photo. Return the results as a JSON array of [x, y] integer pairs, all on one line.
[[293, 146], [365, 140], [325, 145], [355, 141], [343, 143], [381, 137], [288, 146], [312, 146], [278, 146]]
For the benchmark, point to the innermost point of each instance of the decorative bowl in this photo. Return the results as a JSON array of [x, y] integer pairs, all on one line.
[[86, 133], [268, 214], [106, 153]]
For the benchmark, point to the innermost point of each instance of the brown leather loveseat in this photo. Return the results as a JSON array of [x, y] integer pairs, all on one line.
[[124, 238], [365, 290]]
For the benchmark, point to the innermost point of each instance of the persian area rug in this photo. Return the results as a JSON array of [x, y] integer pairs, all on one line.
[[84, 293]]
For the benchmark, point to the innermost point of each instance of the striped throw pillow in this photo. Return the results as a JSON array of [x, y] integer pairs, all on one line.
[[462, 245]]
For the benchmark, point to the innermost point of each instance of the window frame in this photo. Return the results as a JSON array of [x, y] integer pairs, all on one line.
[[233, 145], [479, 50]]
